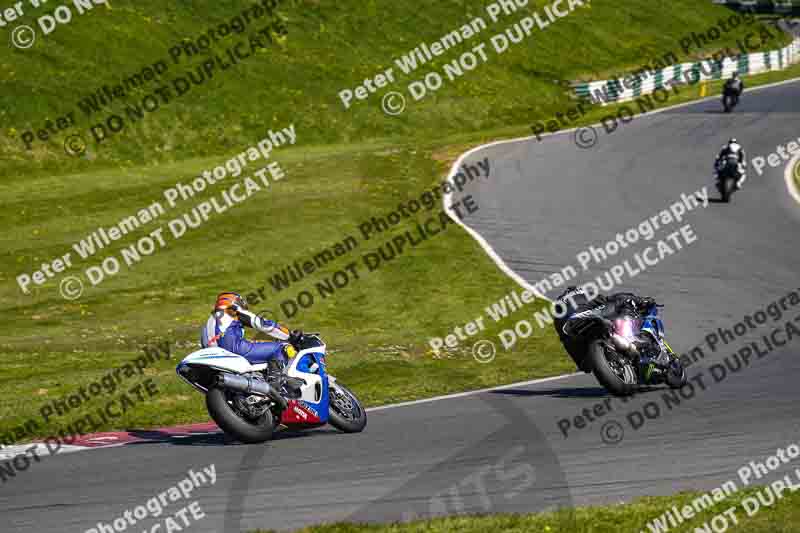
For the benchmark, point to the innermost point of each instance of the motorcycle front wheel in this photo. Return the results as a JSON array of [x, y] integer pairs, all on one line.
[[726, 189], [345, 412], [675, 375], [613, 371], [727, 103]]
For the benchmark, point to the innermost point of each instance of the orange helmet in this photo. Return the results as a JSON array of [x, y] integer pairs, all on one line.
[[226, 301]]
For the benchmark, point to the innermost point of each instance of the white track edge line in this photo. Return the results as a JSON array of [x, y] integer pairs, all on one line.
[[470, 393], [788, 175]]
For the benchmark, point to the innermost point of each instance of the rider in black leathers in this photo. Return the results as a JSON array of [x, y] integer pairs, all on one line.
[[613, 306], [733, 148], [734, 86]]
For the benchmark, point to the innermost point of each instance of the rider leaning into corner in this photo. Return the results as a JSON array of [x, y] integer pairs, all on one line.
[[735, 149], [578, 305], [225, 328]]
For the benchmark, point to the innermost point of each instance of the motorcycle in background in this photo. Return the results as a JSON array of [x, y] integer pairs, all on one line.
[[730, 93], [730, 99], [250, 401]]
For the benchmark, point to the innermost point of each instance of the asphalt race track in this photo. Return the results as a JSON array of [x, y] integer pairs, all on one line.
[[502, 451]]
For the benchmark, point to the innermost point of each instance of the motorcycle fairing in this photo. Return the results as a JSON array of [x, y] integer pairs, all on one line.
[[309, 366], [654, 326], [298, 413], [221, 359], [216, 358]]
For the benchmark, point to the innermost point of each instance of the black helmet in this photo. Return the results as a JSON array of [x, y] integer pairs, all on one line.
[[627, 305]]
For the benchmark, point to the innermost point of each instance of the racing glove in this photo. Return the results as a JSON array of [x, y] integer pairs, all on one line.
[[295, 338], [270, 327]]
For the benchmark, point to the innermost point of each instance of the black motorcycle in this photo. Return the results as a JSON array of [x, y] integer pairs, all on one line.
[[728, 175], [625, 349], [730, 98]]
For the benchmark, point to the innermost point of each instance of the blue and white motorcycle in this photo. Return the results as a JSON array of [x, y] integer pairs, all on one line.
[[250, 401]]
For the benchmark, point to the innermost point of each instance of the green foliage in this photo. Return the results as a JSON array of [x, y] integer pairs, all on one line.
[[782, 517], [330, 46]]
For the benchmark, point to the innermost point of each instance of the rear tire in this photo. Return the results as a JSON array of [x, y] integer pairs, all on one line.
[[606, 375], [233, 424], [357, 419]]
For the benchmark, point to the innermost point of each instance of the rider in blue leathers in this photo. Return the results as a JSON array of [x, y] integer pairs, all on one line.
[[225, 328]]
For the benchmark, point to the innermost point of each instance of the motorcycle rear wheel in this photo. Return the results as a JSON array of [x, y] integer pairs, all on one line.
[[234, 424], [618, 377]]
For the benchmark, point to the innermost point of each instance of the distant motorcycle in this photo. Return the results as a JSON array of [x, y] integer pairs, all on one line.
[[728, 175], [250, 401], [730, 98], [626, 352]]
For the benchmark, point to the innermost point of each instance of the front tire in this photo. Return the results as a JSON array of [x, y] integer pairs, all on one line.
[[675, 375], [233, 424], [617, 376], [727, 103], [345, 412], [727, 189]]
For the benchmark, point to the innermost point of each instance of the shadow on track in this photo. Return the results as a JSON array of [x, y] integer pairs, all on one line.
[[571, 392], [213, 439], [584, 392]]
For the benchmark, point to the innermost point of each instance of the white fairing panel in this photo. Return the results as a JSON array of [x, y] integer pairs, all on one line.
[[312, 380], [221, 359], [309, 390]]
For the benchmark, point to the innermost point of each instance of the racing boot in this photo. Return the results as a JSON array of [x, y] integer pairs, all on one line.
[[290, 387], [649, 372], [652, 361], [293, 387]]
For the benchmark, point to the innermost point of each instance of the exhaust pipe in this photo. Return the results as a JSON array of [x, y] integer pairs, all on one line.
[[248, 385], [623, 344]]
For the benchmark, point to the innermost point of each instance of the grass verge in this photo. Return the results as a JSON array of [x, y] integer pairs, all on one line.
[[782, 516]]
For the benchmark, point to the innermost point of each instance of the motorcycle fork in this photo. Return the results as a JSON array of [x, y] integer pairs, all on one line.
[[646, 371], [669, 348]]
